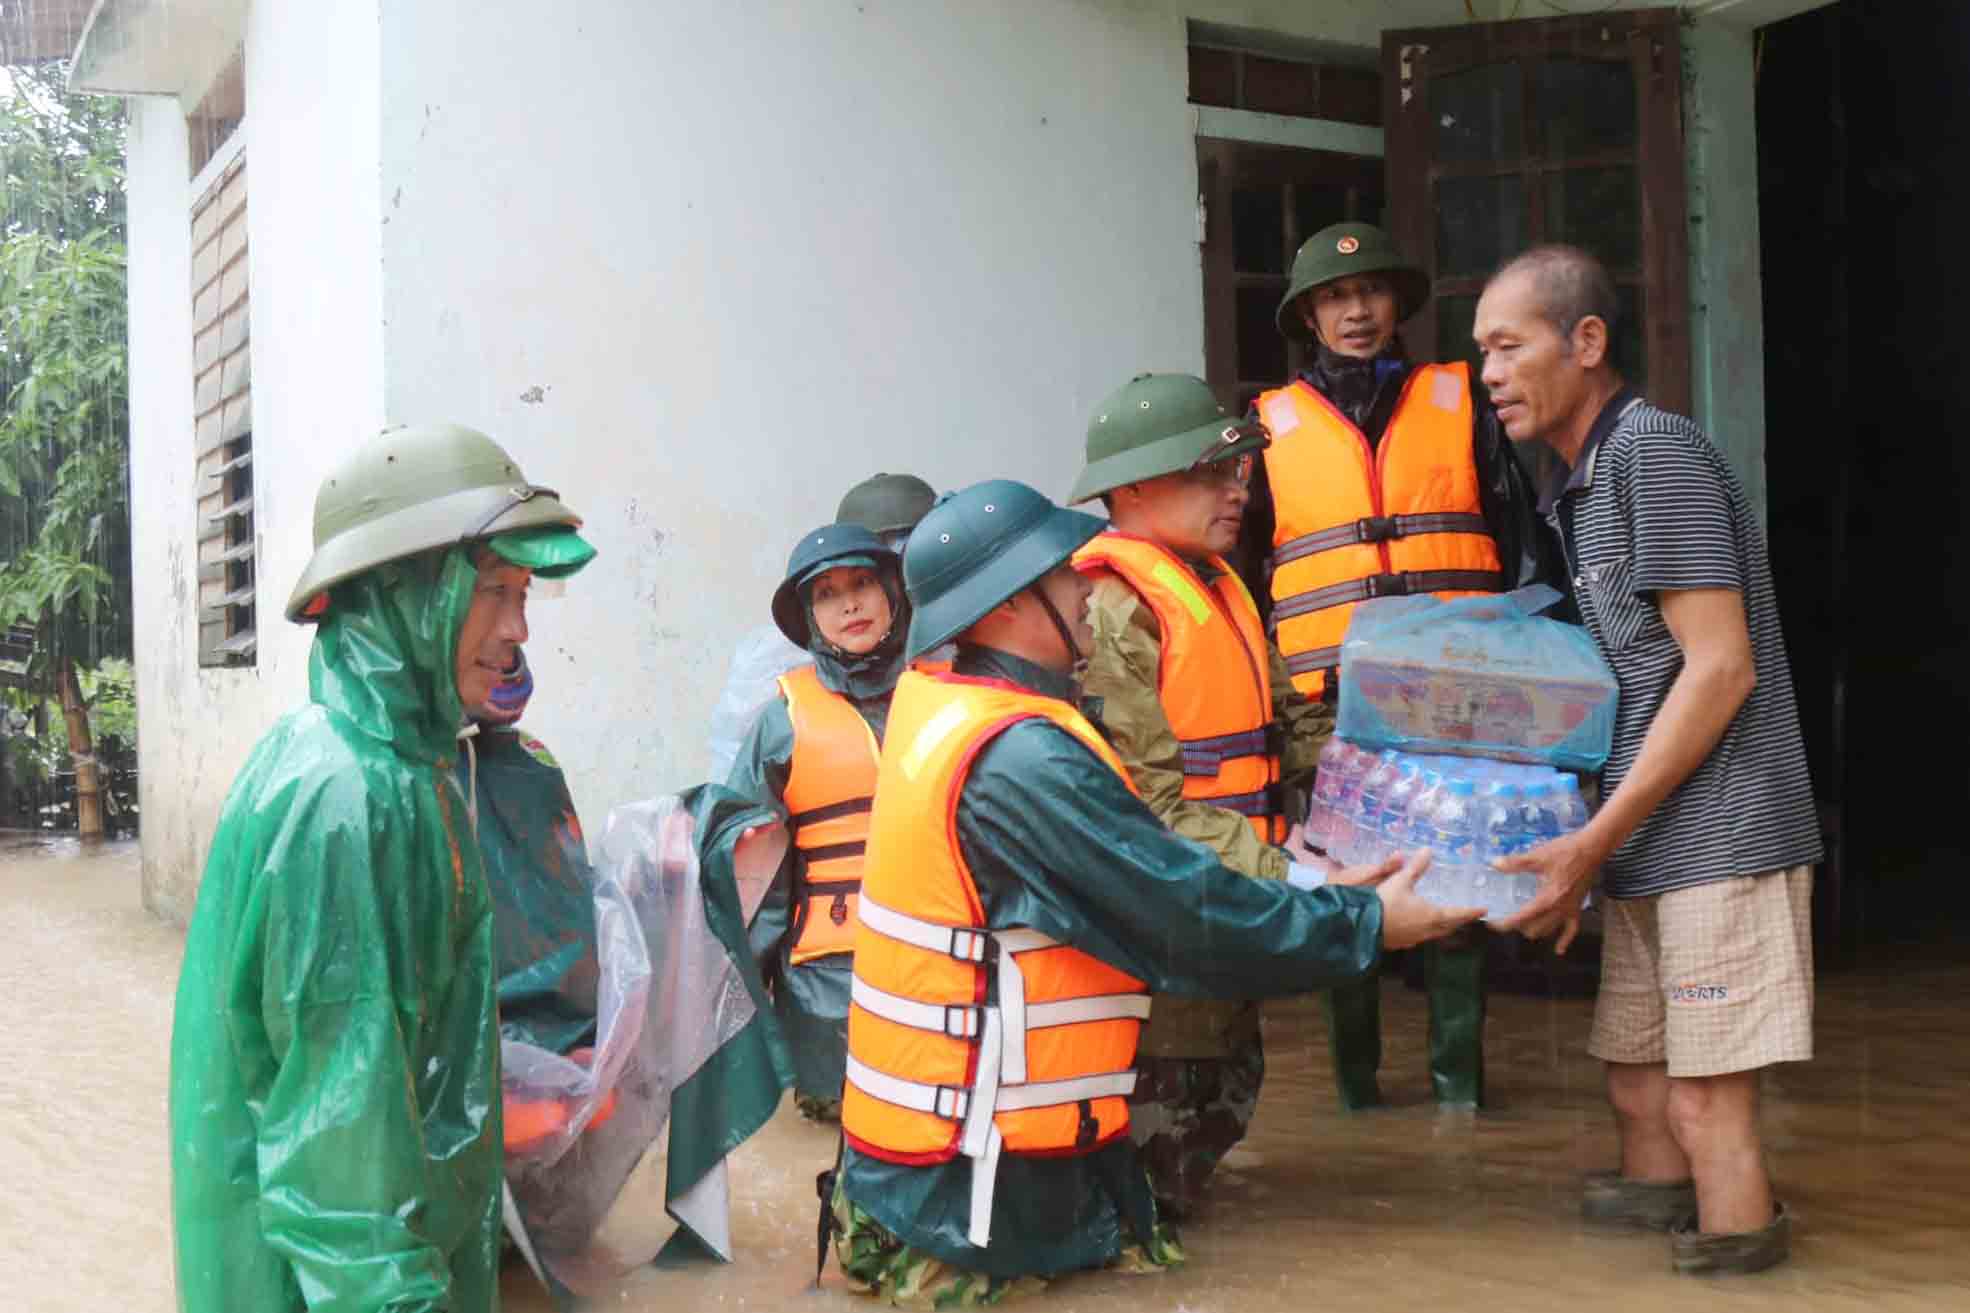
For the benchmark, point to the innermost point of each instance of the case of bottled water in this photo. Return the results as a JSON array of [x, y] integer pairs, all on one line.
[[1468, 811]]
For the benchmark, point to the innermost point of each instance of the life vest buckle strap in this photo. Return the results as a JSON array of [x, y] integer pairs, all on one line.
[[1259, 802], [948, 1101], [1376, 528], [832, 812], [830, 851], [972, 946], [957, 1020], [1387, 585], [1319, 658], [1207, 756]]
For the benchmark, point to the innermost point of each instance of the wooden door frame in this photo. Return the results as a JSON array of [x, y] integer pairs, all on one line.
[[1652, 44]]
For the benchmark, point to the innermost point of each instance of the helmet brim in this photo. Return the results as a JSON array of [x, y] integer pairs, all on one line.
[[1412, 293], [552, 551], [1018, 564], [463, 516], [1204, 445]]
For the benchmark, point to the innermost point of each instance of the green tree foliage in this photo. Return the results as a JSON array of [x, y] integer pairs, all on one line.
[[64, 377], [64, 432]]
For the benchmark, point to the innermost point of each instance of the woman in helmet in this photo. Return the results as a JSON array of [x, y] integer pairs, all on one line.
[[812, 754]]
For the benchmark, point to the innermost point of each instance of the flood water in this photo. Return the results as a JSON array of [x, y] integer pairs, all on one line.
[[1391, 1210]]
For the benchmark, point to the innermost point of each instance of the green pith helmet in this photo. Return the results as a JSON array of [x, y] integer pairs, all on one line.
[[1342, 249], [887, 503], [827, 548], [410, 489], [979, 547], [1159, 424]]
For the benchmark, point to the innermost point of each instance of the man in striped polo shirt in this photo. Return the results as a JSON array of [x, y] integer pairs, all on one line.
[[1707, 834]]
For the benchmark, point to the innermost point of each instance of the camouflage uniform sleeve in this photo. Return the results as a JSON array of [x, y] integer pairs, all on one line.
[[1123, 672], [1308, 724]]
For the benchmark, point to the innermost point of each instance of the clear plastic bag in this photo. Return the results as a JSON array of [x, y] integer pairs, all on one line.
[[670, 997], [761, 657], [1477, 676]]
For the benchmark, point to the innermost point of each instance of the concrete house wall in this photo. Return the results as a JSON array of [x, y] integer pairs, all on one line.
[[700, 267]]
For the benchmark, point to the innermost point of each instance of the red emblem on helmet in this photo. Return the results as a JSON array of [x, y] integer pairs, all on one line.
[[1347, 245]]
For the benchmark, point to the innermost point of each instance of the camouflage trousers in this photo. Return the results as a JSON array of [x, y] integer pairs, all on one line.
[[1186, 1114], [877, 1263]]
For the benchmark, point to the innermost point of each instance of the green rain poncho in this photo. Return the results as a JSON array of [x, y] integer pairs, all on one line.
[[335, 1109], [542, 887]]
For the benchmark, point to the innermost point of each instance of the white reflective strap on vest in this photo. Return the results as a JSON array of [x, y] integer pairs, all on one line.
[[961, 942], [963, 1020], [999, 1081]]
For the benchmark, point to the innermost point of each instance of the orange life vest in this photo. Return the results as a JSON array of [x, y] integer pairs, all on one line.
[[1215, 681], [964, 1039], [831, 784], [1353, 522]]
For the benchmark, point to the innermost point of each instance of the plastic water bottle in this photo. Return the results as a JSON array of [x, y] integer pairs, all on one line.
[[1447, 882], [1419, 831], [1541, 814], [1393, 835], [1326, 790], [1500, 833], [1339, 838], [1368, 815], [1567, 802]]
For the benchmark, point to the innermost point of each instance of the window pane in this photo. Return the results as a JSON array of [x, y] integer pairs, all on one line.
[[1479, 114], [1213, 77], [1261, 351], [1586, 105], [1599, 209], [1278, 86], [1480, 222], [1315, 205], [1454, 317], [1351, 95], [1258, 230]]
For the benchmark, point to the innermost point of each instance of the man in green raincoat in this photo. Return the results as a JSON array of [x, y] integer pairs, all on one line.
[[335, 1102]]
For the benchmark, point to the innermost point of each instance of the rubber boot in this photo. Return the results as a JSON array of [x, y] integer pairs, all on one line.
[[1453, 970], [1354, 1038]]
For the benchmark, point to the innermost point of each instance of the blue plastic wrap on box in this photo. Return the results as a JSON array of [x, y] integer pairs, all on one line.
[[1479, 676]]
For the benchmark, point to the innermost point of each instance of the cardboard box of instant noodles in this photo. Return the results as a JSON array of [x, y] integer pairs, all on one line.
[[1477, 676]]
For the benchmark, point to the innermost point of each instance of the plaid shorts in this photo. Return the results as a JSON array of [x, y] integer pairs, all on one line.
[[1713, 979]]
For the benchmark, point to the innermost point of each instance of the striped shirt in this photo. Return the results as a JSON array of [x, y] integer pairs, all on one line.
[[1652, 506]]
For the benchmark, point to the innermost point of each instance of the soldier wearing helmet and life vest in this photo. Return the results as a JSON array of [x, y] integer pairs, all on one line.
[[887, 505], [1384, 477], [1198, 705], [812, 755], [1016, 906]]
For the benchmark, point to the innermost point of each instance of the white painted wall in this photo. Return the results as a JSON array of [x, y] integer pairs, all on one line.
[[701, 267], [314, 232], [747, 254]]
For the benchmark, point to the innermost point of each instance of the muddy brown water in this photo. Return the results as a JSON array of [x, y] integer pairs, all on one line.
[[1397, 1209]]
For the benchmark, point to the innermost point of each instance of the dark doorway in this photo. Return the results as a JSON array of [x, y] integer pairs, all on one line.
[[1862, 198]]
